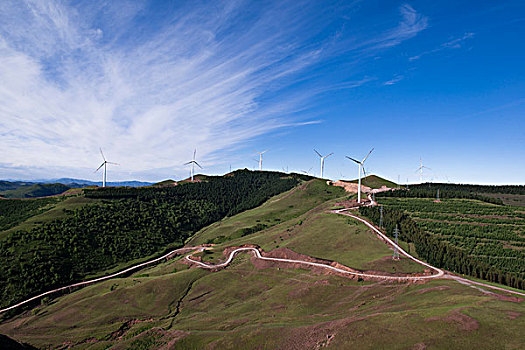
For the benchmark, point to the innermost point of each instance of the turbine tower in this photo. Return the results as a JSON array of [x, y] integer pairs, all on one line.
[[322, 161], [104, 164], [260, 158], [193, 162], [361, 166], [420, 169]]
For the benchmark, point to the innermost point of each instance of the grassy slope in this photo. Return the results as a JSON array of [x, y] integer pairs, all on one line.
[[244, 307], [283, 207]]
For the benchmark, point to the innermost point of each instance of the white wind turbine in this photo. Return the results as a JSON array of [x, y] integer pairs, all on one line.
[[193, 162], [260, 158], [361, 166], [322, 161], [104, 164], [420, 169]]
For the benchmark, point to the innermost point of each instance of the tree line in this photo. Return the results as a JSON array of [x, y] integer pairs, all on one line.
[[440, 253]]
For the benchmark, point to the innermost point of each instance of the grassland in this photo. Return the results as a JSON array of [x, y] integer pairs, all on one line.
[[281, 208], [247, 307]]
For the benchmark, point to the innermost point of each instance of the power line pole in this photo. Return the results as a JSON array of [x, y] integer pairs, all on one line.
[[396, 251], [381, 217]]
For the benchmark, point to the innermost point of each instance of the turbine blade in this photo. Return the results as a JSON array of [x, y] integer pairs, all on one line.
[[329, 155], [101, 165], [188, 162], [368, 155], [197, 164], [102, 153], [358, 162], [319, 154], [113, 163], [194, 153]]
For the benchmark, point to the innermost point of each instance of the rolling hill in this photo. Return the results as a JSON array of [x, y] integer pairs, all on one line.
[[256, 304], [35, 190], [374, 181]]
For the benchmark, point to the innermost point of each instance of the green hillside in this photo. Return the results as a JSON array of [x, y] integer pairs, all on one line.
[[251, 304], [35, 190], [374, 181], [122, 225]]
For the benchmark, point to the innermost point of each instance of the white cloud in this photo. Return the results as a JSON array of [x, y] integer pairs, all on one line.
[[78, 78]]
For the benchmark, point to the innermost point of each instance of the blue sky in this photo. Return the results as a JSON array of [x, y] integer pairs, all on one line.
[[149, 81]]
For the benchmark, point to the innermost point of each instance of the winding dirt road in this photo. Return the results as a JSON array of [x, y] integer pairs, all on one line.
[[438, 272], [309, 263]]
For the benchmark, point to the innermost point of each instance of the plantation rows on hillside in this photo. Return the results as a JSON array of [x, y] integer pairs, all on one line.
[[482, 240], [447, 187], [128, 224]]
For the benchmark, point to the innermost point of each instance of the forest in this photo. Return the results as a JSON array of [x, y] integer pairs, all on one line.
[[14, 211], [127, 224], [464, 236]]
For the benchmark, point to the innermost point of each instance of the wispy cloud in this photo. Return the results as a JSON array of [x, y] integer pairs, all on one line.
[[412, 22], [394, 80], [452, 44], [76, 78]]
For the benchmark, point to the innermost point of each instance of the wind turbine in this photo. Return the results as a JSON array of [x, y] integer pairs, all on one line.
[[193, 162], [104, 164], [322, 161], [306, 172], [260, 158], [420, 169], [361, 166]]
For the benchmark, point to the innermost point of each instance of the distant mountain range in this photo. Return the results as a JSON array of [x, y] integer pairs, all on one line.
[[79, 182], [50, 187]]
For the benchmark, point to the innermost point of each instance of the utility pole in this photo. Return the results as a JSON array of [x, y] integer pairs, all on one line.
[[396, 251], [381, 217]]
